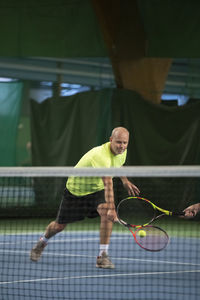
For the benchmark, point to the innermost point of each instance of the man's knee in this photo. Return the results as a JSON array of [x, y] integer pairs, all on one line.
[[103, 209], [59, 227]]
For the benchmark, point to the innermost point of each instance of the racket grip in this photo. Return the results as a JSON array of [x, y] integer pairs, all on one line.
[[121, 222], [178, 213]]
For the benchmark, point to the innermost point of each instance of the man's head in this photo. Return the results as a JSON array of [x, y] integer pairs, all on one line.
[[119, 140]]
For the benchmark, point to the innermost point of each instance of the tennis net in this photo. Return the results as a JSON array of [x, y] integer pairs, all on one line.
[[29, 200]]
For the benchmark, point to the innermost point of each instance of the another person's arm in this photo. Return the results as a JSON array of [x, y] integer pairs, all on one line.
[[130, 187], [192, 210]]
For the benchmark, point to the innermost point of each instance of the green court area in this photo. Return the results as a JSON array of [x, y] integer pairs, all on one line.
[[173, 226]]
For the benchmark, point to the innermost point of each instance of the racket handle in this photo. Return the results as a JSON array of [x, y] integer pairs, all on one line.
[[178, 213], [121, 222]]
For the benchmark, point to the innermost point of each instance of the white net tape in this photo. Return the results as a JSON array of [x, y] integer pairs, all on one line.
[[133, 171]]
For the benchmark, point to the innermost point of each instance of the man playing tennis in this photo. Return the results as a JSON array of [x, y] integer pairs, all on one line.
[[90, 197]]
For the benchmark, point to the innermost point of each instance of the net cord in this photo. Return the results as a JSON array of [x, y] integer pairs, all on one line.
[[130, 171]]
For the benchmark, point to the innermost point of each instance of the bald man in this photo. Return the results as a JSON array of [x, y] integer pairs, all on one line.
[[92, 197]]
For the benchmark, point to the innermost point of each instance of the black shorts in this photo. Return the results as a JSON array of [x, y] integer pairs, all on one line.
[[74, 208]]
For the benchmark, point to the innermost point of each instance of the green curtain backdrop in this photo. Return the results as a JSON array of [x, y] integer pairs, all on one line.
[[63, 129], [160, 135], [10, 104]]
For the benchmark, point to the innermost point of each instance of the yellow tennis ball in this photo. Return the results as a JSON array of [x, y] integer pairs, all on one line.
[[142, 233]]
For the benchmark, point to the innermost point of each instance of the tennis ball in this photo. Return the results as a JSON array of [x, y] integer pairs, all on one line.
[[142, 233]]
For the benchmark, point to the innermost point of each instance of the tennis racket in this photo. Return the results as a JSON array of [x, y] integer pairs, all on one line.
[[137, 213], [141, 211]]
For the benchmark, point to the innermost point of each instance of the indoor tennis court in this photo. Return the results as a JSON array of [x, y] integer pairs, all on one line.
[[99, 150], [68, 268]]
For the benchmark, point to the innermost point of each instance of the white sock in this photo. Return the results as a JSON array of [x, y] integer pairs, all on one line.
[[44, 239], [103, 248]]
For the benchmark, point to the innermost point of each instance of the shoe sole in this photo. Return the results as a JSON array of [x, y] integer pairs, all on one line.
[[105, 267]]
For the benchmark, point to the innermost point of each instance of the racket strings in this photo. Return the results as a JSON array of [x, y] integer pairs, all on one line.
[[136, 211]]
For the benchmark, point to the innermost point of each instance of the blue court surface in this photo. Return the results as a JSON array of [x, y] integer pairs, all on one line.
[[67, 269]]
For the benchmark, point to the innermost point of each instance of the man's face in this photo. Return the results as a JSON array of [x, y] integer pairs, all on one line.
[[119, 142]]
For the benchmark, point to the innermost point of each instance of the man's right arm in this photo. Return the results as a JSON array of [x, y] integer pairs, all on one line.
[[109, 197]]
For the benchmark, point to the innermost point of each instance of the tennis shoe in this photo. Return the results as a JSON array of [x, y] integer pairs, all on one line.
[[37, 250], [104, 262]]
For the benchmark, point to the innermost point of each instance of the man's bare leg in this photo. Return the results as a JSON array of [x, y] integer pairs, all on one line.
[[52, 229], [106, 226]]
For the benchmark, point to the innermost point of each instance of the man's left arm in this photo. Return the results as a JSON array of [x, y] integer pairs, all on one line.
[[130, 187]]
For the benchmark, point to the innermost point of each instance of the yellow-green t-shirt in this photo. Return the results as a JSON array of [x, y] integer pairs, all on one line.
[[98, 157]]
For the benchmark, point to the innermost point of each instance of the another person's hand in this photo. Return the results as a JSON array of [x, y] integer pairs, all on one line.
[[192, 210]]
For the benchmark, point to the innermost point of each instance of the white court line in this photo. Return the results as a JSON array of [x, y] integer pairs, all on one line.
[[25, 233], [65, 240], [97, 276], [54, 241], [91, 256]]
